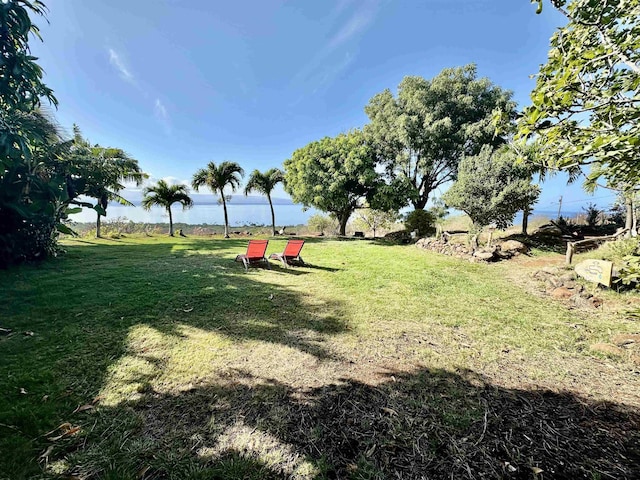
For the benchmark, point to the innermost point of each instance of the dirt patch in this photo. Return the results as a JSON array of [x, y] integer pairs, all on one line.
[[427, 424]]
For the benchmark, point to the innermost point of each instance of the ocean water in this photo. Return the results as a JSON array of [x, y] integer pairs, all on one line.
[[239, 215]]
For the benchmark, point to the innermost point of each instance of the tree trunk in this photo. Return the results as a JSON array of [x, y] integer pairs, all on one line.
[[226, 217], [628, 223], [170, 221], [525, 220], [98, 226], [634, 222], [343, 218], [420, 203], [273, 217]]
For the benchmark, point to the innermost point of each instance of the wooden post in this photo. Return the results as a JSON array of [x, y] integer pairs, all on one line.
[[569, 255]]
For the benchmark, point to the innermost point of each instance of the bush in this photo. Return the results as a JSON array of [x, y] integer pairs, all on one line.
[[422, 221], [620, 249], [321, 223], [629, 273]]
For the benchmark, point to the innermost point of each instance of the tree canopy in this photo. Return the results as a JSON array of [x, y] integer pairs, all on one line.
[[491, 188], [586, 102], [335, 175], [423, 132]]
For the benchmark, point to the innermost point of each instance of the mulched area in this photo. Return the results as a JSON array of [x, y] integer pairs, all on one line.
[[431, 424]]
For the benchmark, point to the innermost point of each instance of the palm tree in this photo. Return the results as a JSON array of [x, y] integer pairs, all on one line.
[[217, 178], [111, 167], [165, 195], [265, 183]]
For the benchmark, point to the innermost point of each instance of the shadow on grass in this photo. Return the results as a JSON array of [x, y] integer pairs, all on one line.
[[425, 424], [81, 308]]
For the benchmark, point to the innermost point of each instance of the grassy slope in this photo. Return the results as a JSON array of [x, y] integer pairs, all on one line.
[[200, 369]]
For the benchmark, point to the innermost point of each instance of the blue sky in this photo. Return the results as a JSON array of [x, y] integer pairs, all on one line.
[[178, 83]]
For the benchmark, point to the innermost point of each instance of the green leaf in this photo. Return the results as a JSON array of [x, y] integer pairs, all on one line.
[[62, 228]]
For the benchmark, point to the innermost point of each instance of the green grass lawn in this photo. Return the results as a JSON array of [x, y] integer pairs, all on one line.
[[160, 357]]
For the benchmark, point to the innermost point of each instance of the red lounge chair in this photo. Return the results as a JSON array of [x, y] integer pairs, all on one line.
[[291, 253], [255, 254]]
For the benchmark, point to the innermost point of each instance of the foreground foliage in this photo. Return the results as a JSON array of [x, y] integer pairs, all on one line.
[[371, 362], [586, 102]]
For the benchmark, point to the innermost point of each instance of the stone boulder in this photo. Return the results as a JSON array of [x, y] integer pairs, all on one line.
[[561, 292], [514, 247], [484, 255]]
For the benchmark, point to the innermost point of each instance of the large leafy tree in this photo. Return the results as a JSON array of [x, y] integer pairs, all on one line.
[[424, 131], [335, 175], [586, 102], [265, 183], [491, 188], [164, 195], [27, 222], [217, 178]]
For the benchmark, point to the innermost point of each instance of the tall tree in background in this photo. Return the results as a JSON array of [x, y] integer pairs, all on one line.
[[165, 195], [336, 175], [586, 102], [265, 183], [105, 170], [423, 133], [491, 188], [217, 178]]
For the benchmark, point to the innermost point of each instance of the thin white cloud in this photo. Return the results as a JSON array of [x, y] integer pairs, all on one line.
[[319, 67], [115, 59], [160, 110], [358, 22], [175, 181], [161, 114]]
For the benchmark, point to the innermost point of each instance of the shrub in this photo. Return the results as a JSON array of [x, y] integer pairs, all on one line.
[[629, 273], [620, 249], [422, 221], [320, 223]]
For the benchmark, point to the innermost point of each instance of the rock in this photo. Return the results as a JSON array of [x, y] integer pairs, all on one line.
[[562, 292], [595, 302], [626, 339], [482, 255], [568, 283], [548, 229], [540, 274], [567, 277], [608, 349], [551, 270], [553, 282], [581, 302], [513, 246]]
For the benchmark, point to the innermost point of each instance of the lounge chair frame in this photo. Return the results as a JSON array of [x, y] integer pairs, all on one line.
[[256, 250], [291, 253]]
